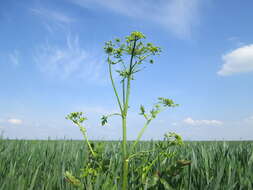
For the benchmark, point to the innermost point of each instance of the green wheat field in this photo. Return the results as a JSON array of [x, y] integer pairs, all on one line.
[[37, 164]]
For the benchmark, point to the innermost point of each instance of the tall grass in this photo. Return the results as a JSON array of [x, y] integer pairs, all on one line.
[[41, 165]]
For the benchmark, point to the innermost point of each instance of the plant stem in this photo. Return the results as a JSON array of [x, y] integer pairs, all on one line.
[[140, 134], [129, 78], [123, 91], [124, 156], [124, 130], [113, 85], [86, 138], [92, 152], [142, 130], [123, 115]]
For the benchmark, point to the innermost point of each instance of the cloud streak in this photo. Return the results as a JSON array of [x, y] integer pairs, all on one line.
[[190, 121], [52, 15], [53, 20], [178, 16], [237, 61], [69, 60]]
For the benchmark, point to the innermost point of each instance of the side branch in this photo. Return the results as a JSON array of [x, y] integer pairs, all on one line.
[[113, 85], [140, 134]]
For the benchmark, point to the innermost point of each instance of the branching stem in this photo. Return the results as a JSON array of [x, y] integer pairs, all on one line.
[[113, 85], [124, 115], [141, 134], [86, 138]]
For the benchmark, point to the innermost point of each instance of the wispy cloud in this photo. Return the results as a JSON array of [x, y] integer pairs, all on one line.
[[53, 19], [52, 15], [70, 60], [178, 16], [237, 61], [14, 57], [190, 121]]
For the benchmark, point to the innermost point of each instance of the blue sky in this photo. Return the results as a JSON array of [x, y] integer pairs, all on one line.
[[52, 63]]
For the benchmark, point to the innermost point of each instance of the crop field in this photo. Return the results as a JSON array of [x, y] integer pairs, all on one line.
[[41, 165]]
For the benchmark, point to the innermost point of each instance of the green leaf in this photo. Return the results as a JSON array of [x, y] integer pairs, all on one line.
[[142, 109], [167, 102], [104, 120], [34, 178], [76, 117]]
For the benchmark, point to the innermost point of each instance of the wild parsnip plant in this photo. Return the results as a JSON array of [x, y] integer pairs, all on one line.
[[137, 52], [130, 55]]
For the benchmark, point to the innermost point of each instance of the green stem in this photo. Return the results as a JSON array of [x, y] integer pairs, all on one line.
[[140, 134], [142, 130], [149, 168], [113, 85], [124, 156], [86, 138], [124, 130], [129, 78], [123, 91], [92, 152], [125, 174]]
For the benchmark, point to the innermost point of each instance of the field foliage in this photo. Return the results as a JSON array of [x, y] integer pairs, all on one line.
[[41, 165]]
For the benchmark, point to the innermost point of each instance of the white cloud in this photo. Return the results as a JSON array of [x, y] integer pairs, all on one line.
[[15, 121], [239, 60], [193, 122], [14, 57], [70, 60], [179, 16]]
